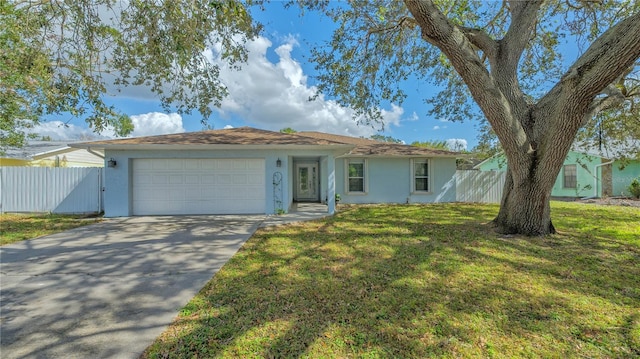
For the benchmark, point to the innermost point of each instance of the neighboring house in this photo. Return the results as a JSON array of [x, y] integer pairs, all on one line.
[[583, 175], [247, 170], [51, 154]]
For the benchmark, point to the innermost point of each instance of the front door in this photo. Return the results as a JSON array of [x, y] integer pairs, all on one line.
[[307, 182]]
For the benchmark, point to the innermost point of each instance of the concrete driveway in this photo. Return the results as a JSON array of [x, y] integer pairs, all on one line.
[[108, 290]]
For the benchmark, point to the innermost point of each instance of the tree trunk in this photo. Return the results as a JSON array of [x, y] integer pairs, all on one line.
[[525, 208]]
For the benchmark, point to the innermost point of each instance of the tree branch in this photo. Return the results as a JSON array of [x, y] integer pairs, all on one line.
[[403, 22], [524, 15], [561, 112], [614, 98], [481, 40], [453, 42], [609, 57]]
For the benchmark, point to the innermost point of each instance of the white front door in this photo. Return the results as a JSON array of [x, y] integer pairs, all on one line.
[[307, 182]]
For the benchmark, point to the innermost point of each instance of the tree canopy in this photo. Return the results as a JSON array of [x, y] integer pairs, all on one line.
[[67, 56], [380, 44], [383, 138]]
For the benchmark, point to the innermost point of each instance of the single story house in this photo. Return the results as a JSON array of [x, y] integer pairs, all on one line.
[[583, 175], [50, 154], [248, 170]]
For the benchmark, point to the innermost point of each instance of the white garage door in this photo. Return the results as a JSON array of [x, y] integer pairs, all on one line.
[[198, 186]]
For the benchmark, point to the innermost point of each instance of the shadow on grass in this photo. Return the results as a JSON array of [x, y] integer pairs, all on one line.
[[415, 281]]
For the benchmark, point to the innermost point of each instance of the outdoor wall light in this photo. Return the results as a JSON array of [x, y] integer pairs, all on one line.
[[278, 163], [111, 163]]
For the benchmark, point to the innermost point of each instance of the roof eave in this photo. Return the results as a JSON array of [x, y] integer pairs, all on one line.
[[41, 155]]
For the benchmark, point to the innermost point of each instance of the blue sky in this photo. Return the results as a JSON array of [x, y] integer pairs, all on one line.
[[271, 92]]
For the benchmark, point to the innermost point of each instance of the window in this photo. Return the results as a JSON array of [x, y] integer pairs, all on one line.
[[420, 175], [356, 174], [570, 179]]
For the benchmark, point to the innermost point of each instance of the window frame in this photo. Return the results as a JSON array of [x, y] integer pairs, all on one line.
[[429, 175], [574, 175], [365, 177]]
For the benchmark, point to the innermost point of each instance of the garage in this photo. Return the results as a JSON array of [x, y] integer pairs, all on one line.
[[176, 186]]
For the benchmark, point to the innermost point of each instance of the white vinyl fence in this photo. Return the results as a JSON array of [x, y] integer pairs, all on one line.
[[46, 189], [479, 186]]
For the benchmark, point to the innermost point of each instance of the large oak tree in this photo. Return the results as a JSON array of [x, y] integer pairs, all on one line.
[[506, 57]]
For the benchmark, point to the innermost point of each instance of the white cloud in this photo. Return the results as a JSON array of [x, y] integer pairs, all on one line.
[[156, 123], [457, 144], [436, 127], [276, 95], [414, 117], [148, 124], [264, 94], [228, 127]]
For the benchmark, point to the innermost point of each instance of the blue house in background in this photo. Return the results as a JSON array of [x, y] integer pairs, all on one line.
[[583, 175], [248, 170]]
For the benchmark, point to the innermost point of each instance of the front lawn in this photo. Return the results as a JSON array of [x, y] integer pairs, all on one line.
[[416, 281], [18, 227]]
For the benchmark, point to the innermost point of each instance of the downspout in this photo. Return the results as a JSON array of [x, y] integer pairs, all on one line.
[[595, 179]]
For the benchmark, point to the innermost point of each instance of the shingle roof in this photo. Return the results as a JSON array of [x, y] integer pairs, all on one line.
[[232, 136], [248, 136]]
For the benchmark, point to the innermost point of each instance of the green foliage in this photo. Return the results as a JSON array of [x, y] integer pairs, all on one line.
[[616, 130], [433, 144], [288, 130], [378, 46], [66, 57], [383, 138], [634, 188]]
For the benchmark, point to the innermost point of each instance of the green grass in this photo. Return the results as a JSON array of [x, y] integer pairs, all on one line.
[[419, 281], [18, 227]]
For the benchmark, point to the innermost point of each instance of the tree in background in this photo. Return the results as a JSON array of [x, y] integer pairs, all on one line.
[[433, 144], [506, 57], [66, 56], [383, 138], [288, 130]]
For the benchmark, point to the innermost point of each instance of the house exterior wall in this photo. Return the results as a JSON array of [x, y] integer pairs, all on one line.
[[118, 181], [76, 158], [389, 180], [585, 175], [622, 178]]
